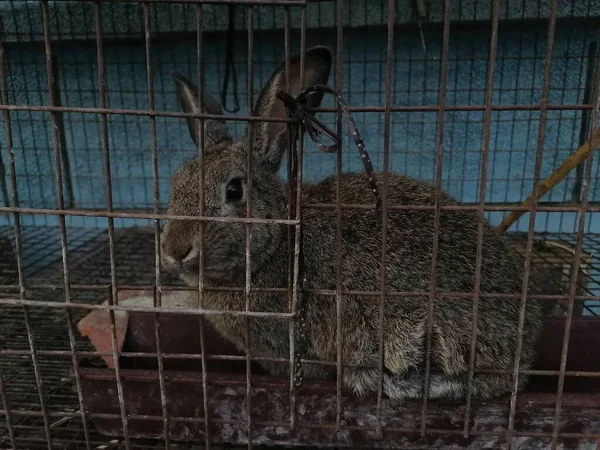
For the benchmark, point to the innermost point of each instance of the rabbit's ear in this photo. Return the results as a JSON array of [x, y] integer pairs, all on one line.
[[270, 138], [215, 131]]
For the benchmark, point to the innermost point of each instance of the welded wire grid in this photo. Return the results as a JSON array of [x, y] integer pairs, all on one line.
[[517, 80], [90, 264], [87, 265], [89, 254]]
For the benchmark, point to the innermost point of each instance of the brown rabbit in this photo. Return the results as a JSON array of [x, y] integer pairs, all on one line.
[[409, 253]]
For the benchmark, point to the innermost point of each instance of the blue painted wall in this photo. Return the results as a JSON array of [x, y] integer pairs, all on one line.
[[518, 80]]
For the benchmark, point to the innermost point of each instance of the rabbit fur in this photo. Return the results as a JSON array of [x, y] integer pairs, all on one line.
[[408, 263]]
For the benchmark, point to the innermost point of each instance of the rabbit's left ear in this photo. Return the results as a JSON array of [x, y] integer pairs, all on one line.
[[270, 138], [215, 130]]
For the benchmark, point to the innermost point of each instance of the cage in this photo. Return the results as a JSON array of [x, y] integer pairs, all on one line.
[[483, 100]]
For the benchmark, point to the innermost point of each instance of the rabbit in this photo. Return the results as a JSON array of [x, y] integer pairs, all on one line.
[[408, 262]]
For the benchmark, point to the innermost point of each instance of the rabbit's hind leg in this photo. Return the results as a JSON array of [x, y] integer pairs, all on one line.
[[412, 387], [364, 381], [451, 387], [409, 386]]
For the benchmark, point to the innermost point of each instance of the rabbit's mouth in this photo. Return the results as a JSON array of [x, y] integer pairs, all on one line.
[[191, 278], [214, 268], [191, 271]]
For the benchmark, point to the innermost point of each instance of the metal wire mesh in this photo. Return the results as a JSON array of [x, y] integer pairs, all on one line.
[[134, 251], [517, 81], [91, 128]]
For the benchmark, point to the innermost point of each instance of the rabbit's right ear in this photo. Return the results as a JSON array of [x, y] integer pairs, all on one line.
[[270, 137], [214, 130]]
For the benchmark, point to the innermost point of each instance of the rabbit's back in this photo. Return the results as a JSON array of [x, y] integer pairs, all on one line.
[[409, 238], [408, 267]]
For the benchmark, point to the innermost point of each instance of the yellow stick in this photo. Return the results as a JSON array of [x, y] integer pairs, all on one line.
[[568, 164]]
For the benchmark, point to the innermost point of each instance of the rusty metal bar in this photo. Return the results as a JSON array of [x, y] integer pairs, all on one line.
[[191, 356], [136, 287], [216, 357], [7, 411], [466, 207], [53, 304], [100, 287], [115, 215], [292, 236], [485, 147], [384, 197], [154, 355], [137, 112], [17, 221], [133, 215], [299, 154], [61, 162], [113, 293], [3, 184], [588, 95], [339, 84], [201, 287], [250, 128], [437, 211], [156, 294], [203, 2], [532, 214], [116, 307], [59, 130], [435, 108], [30, 337], [593, 120], [246, 118]]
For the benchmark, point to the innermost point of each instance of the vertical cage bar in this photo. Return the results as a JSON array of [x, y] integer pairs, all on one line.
[[17, 221], [299, 171], [290, 154], [436, 219], [296, 280], [60, 162], [532, 214], [339, 84], [250, 104], [389, 74], [292, 275], [59, 129], [588, 96], [55, 144], [3, 183], [586, 186], [485, 151], [156, 292], [201, 141], [7, 413], [295, 203], [113, 298]]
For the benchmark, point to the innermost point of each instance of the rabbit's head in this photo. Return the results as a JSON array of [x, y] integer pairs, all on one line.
[[226, 179]]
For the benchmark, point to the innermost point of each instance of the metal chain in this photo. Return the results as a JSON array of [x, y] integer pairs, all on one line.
[[301, 343], [297, 109]]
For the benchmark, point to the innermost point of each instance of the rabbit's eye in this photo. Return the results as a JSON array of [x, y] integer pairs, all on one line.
[[234, 191]]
